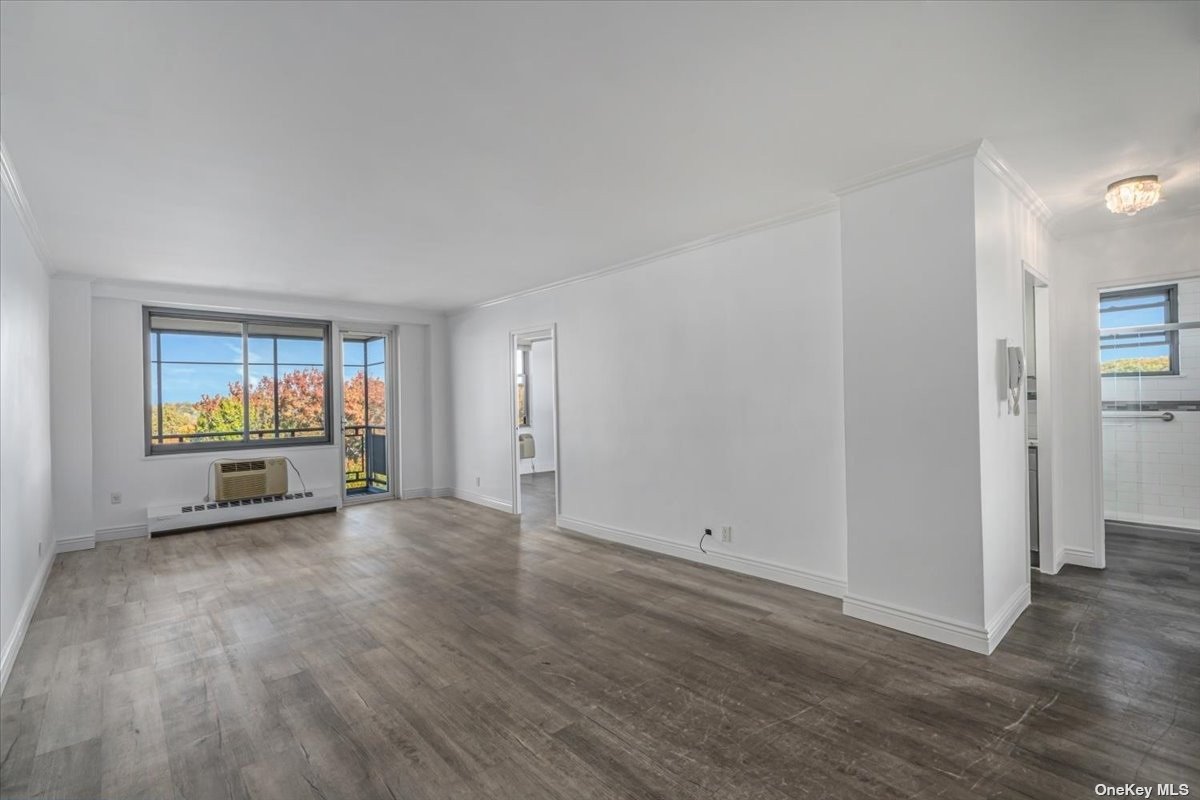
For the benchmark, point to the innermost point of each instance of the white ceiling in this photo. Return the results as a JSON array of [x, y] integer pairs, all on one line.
[[438, 155]]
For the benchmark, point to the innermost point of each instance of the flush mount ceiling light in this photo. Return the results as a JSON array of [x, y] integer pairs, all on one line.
[[1131, 195]]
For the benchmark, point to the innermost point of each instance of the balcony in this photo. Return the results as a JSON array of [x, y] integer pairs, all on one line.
[[366, 459]]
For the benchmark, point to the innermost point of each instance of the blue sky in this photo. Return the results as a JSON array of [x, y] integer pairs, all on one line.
[[1125, 319], [216, 361]]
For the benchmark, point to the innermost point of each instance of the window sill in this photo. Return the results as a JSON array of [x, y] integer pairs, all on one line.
[[242, 452]]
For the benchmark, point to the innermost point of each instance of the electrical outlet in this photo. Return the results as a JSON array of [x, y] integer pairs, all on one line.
[[726, 533], [477, 480], [115, 498]]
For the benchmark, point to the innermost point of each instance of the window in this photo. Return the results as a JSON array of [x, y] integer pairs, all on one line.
[[197, 365], [522, 364], [1137, 336]]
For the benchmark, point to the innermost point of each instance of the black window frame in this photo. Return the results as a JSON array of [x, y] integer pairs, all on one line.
[[1118, 340], [149, 380]]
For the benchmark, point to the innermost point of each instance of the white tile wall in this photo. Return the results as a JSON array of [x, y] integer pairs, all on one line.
[[1152, 468]]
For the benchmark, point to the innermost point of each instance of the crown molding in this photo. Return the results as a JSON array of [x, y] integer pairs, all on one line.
[[12, 185], [969, 150], [979, 149], [697, 244], [177, 295], [990, 158]]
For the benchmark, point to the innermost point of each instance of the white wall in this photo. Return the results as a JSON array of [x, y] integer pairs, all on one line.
[[933, 266], [1007, 236], [541, 408], [701, 390], [1137, 252], [119, 463], [71, 432], [416, 439], [25, 447], [913, 404]]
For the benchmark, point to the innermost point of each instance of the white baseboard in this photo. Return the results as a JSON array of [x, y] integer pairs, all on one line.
[[927, 626], [24, 617], [121, 532], [73, 543], [975, 638], [484, 500], [1000, 623], [1079, 556], [779, 573], [1188, 525], [413, 494]]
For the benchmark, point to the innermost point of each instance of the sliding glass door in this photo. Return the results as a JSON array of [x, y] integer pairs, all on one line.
[[366, 415]]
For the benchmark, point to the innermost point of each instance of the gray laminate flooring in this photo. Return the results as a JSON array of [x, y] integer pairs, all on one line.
[[435, 649]]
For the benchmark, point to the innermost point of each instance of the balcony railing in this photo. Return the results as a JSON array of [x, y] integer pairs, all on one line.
[[366, 459], [217, 436], [365, 447]]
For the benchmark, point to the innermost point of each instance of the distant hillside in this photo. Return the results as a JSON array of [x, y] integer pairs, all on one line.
[[1142, 364]]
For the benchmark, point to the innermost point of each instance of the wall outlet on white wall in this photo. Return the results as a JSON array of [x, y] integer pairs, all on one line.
[[727, 533], [115, 498], [477, 480]]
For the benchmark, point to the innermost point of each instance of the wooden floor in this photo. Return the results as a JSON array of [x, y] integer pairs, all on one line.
[[435, 649]]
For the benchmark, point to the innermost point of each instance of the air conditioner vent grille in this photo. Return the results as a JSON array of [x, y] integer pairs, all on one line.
[[249, 501], [242, 466]]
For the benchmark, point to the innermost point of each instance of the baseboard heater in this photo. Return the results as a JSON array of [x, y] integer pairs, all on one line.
[[181, 518]]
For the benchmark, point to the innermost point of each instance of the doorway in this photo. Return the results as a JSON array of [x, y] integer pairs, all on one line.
[[1149, 408], [1038, 420], [536, 468], [367, 416]]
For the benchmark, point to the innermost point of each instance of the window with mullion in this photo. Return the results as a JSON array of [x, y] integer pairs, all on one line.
[[1135, 337], [217, 381]]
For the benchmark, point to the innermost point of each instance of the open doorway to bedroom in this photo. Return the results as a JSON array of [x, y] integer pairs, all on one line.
[[535, 425]]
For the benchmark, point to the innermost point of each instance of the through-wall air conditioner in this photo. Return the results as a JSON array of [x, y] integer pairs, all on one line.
[[259, 477]]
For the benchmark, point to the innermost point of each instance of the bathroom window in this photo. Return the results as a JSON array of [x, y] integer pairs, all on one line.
[[1137, 336]]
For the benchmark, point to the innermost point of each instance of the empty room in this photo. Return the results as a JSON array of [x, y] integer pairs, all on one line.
[[559, 400]]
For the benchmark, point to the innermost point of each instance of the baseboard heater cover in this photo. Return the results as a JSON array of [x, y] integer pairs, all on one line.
[[196, 516]]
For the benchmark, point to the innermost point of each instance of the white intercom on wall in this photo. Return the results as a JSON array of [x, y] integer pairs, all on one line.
[[1016, 372]]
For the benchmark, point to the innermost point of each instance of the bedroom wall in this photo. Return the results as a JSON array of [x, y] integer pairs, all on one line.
[[26, 527], [700, 390]]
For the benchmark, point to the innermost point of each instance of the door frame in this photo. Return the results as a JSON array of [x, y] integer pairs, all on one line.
[[1099, 555], [546, 332], [1047, 467], [392, 409]]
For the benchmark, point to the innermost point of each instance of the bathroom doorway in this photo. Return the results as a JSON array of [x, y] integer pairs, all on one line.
[[1150, 407], [534, 394]]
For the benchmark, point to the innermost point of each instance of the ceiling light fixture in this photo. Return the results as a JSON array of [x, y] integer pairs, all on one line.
[[1131, 195]]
